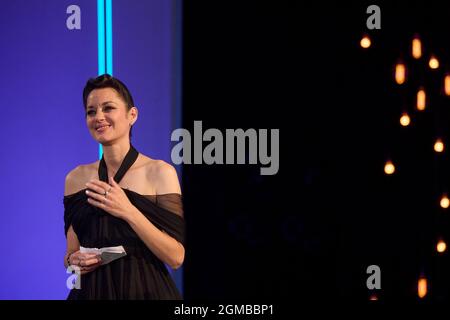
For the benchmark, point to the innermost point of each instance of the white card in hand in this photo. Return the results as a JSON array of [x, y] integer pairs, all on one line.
[[107, 254]]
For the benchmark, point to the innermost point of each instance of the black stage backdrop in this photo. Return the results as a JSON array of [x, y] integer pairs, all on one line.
[[311, 230]]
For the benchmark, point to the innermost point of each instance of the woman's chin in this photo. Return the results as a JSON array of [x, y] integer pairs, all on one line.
[[101, 139], [104, 139]]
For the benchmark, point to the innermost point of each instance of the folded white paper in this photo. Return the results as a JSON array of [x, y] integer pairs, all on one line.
[[107, 254]]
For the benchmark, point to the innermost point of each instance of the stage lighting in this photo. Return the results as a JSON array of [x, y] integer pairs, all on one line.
[[422, 287], [421, 98], [405, 120], [447, 84], [441, 246], [373, 297], [438, 145], [365, 42], [389, 167], [400, 73], [416, 48], [445, 202], [433, 63]]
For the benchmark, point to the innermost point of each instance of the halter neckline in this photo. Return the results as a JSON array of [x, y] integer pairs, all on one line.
[[127, 162]]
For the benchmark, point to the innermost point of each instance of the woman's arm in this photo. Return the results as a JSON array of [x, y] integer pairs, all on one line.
[[166, 248], [73, 256], [70, 187], [72, 245]]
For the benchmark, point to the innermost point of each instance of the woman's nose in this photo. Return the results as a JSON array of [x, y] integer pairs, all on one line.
[[99, 115]]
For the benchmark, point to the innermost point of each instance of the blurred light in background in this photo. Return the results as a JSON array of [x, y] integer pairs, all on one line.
[[445, 202], [365, 42], [389, 167], [405, 120], [416, 48], [422, 287], [433, 63], [441, 246], [400, 73], [417, 52], [438, 145], [447, 84], [421, 98]]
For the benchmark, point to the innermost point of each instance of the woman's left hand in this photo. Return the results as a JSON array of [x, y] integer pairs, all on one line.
[[109, 197]]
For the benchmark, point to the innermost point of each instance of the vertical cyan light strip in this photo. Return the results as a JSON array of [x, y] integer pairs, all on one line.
[[105, 48], [109, 47], [101, 35]]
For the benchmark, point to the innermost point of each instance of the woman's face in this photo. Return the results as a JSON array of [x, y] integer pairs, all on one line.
[[107, 117]]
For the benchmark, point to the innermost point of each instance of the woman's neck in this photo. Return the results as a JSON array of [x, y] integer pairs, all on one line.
[[114, 155]]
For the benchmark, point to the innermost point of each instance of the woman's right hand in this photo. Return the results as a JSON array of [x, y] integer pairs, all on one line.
[[87, 262]]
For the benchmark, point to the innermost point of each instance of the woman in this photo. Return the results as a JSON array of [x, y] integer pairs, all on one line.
[[125, 199]]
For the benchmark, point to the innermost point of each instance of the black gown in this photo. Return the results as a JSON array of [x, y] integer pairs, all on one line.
[[140, 274]]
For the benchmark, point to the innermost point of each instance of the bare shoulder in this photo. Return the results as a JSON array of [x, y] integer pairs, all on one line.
[[77, 177], [163, 176]]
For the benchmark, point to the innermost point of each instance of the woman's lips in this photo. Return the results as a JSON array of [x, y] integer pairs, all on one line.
[[103, 128]]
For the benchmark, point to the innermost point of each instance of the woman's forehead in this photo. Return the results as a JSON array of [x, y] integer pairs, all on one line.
[[103, 94]]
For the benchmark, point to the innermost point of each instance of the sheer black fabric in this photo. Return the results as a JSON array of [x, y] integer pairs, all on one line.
[[140, 274], [169, 201]]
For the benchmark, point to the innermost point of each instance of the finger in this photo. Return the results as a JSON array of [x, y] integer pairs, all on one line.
[[75, 258], [97, 196], [104, 185], [76, 263], [99, 183], [97, 204], [96, 265], [87, 256], [74, 255], [91, 261], [113, 182], [95, 188]]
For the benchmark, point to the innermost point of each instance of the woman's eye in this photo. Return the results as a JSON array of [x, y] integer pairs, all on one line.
[[105, 109]]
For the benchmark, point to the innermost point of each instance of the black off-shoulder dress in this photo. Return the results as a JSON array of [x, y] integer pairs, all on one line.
[[140, 274]]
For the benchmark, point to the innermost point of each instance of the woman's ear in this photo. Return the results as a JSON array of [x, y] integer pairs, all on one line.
[[134, 115]]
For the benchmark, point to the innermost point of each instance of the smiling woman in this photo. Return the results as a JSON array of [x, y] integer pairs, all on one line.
[[113, 95], [125, 199]]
